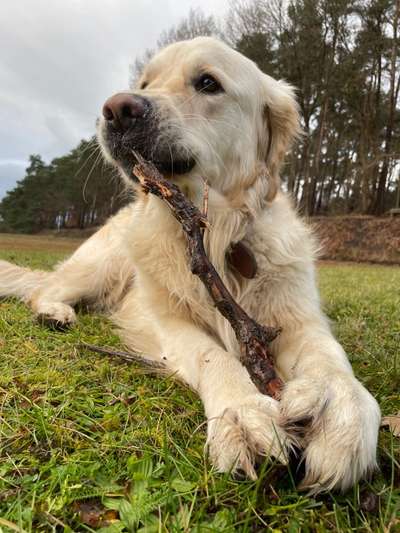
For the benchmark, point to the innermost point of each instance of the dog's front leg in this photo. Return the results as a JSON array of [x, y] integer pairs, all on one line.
[[242, 423], [339, 416], [98, 272]]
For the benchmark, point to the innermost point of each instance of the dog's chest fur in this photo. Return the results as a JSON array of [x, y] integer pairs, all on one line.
[[159, 251], [158, 248]]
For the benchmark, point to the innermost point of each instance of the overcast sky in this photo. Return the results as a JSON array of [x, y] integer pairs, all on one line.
[[60, 60]]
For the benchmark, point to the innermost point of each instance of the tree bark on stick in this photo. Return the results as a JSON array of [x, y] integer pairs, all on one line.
[[252, 337]]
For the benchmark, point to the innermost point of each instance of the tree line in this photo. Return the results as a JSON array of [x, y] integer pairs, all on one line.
[[76, 190], [343, 56]]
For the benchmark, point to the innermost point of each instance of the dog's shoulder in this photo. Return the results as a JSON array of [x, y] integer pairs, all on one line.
[[285, 249], [282, 237]]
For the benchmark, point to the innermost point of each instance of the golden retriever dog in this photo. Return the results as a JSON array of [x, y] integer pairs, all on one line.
[[202, 111]]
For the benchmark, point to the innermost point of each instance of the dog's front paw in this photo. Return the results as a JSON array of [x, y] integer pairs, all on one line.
[[56, 315], [339, 422], [242, 434]]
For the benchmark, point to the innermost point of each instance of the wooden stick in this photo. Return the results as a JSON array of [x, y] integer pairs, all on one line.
[[252, 337], [126, 356], [205, 198]]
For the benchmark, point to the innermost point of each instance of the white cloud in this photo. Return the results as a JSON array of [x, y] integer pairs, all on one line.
[[61, 59], [12, 162]]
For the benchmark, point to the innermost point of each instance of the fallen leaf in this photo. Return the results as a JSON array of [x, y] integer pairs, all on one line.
[[369, 502], [393, 421], [94, 514]]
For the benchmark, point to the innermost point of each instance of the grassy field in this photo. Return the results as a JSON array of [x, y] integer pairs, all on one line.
[[89, 443]]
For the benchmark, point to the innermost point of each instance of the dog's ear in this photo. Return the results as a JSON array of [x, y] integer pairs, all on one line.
[[281, 125]]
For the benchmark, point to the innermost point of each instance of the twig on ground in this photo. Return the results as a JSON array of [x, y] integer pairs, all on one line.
[[126, 356], [253, 338]]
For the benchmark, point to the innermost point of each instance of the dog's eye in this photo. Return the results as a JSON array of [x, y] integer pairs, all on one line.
[[207, 84], [143, 85]]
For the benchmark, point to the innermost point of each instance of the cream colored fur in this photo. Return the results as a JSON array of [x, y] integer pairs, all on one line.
[[136, 267]]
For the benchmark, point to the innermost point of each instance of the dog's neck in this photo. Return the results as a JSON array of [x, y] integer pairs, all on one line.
[[231, 215]]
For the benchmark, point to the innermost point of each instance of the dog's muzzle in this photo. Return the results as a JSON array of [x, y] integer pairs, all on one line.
[[131, 123]]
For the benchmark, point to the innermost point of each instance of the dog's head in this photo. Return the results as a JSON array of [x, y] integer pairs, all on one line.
[[202, 109]]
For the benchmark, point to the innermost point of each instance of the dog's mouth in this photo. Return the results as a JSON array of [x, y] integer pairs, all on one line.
[[132, 125], [167, 159], [175, 166]]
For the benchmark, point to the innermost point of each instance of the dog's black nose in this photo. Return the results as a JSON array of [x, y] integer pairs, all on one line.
[[123, 109]]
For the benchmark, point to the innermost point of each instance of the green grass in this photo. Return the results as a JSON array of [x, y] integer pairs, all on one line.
[[88, 441]]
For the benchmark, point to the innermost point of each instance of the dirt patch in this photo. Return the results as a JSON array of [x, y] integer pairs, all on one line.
[[361, 239], [345, 239], [42, 243]]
